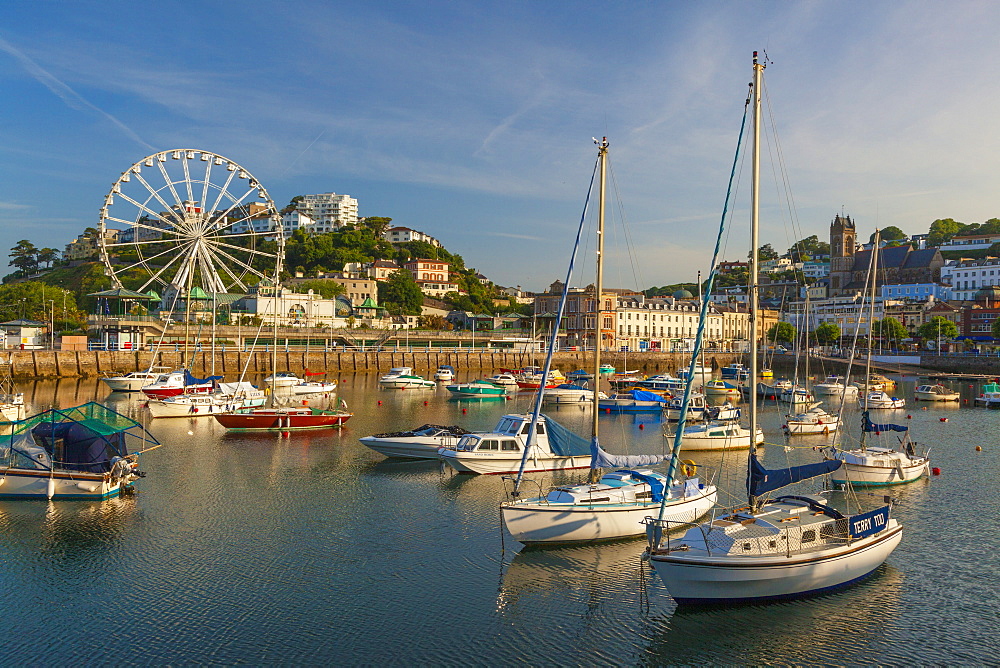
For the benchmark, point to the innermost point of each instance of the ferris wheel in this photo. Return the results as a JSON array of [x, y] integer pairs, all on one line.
[[187, 218]]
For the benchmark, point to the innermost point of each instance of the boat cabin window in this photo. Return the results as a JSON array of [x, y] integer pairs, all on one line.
[[808, 536], [509, 445], [504, 425], [489, 444], [539, 428], [468, 443]]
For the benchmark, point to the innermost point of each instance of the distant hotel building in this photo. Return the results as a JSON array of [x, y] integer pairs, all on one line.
[[401, 235]]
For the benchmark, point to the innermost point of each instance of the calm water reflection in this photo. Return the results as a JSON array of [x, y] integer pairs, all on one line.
[[312, 549]]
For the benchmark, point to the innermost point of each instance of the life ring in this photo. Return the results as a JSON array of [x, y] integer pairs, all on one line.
[[688, 467]]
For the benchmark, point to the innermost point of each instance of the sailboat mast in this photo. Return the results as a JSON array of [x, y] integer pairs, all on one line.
[[873, 275], [758, 68], [602, 152]]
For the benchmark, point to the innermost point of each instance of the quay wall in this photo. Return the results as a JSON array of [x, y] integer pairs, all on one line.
[[29, 364]]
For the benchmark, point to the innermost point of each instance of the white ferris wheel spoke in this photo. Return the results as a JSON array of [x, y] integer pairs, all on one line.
[[205, 182], [170, 184], [155, 193], [224, 190], [187, 177], [225, 213], [239, 262], [155, 277], [143, 207], [237, 280]]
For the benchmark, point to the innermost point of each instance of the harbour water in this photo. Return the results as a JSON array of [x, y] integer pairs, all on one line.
[[310, 548]]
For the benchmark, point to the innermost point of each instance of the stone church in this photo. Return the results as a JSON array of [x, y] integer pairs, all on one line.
[[897, 265]]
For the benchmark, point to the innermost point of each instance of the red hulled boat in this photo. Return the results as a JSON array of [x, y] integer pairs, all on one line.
[[281, 419]]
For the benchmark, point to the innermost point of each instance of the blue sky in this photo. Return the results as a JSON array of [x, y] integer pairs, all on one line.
[[473, 121]]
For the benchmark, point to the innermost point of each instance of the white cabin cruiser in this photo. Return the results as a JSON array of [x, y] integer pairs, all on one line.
[[282, 379], [815, 420], [403, 378], [554, 448], [718, 436], [881, 400], [935, 393], [131, 382], [835, 386]]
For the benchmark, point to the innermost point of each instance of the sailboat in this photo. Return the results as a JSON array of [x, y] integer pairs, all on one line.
[[791, 546], [616, 504], [879, 465]]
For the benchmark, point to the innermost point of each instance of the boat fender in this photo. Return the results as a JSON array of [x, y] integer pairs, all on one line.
[[92, 487], [50, 488]]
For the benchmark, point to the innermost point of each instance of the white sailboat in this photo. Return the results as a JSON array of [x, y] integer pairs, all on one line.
[[615, 505], [791, 546]]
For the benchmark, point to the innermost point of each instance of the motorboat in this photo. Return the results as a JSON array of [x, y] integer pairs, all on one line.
[[179, 382], [735, 371], [228, 397], [72, 453], [282, 418], [774, 389], [835, 386], [420, 443], [131, 382], [696, 407], [445, 373], [876, 381], [634, 400], [797, 395], [478, 388], [769, 549], [580, 374], [532, 380], [935, 393], [307, 386], [568, 393], [880, 400], [607, 368], [403, 378], [715, 435], [663, 382], [554, 448], [699, 371], [505, 379], [625, 379], [282, 379], [815, 420], [990, 396], [880, 465], [720, 388]]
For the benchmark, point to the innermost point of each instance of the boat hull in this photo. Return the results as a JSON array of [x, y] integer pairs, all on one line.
[[165, 409], [279, 420], [164, 392], [877, 476], [23, 483], [700, 580], [409, 448], [811, 428], [932, 396], [487, 464], [566, 523]]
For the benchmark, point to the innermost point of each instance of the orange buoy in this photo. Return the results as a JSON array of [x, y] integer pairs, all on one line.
[[607, 410], [642, 426], [305, 402], [979, 448], [936, 471], [425, 403], [464, 411], [909, 417]]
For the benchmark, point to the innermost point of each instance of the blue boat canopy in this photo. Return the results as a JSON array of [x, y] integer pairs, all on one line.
[[191, 380], [643, 395], [762, 480], [869, 426]]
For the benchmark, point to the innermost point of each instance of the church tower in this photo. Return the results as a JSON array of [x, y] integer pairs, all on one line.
[[842, 244]]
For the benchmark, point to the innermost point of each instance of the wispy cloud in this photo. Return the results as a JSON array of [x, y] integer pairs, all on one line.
[[515, 236], [69, 96], [11, 206]]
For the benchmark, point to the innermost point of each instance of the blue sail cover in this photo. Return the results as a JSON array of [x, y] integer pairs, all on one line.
[[191, 380], [868, 425], [762, 480], [564, 442], [601, 459], [655, 484], [643, 395]]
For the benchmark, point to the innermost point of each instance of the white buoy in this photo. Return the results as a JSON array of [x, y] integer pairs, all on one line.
[[50, 490]]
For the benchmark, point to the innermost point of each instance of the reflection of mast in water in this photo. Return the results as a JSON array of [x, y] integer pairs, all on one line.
[[841, 628]]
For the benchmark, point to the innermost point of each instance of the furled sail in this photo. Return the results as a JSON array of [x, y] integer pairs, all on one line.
[[762, 480], [599, 458], [869, 426]]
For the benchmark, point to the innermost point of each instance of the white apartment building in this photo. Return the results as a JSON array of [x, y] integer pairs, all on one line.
[[965, 277], [399, 235], [330, 210], [661, 324], [970, 242]]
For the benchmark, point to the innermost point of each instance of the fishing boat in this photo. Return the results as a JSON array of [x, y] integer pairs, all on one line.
[[445, 373], [179, 382], [420, 443], [633, 400], [403, 378], [735, 371], [696, 407], [835, 386], [131, 382], [613, 507], [228, 397], [935, 393], [282, 418], [72, 453], [786, 547], [553, 448], [478, 388], [814, 420], [990, 396]]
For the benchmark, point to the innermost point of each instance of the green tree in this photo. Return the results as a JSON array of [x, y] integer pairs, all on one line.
[[891, 233], [24, 256], [293, 204], [48, 256], [781, 332], [994, 328], [401, 294], [766, 252], [889, 330], [807, 247], [943, 230], [827, 333], [377, 224], [324, 287], [938, 325]]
